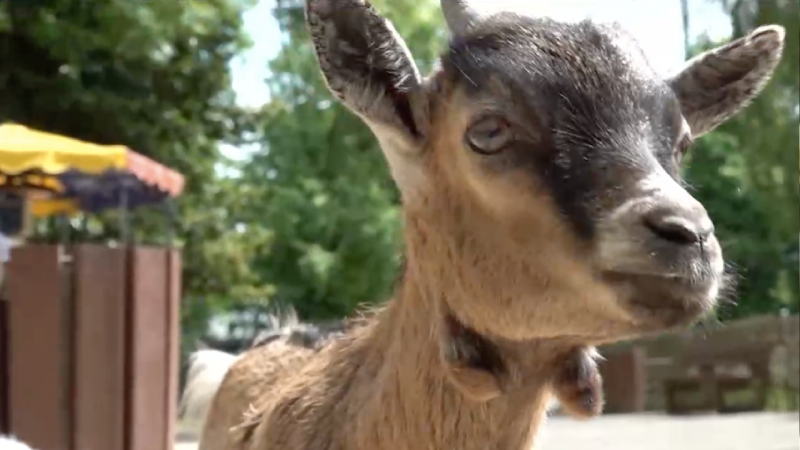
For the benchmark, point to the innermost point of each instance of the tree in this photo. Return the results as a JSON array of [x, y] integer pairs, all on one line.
[[320, 185], [154, 76]]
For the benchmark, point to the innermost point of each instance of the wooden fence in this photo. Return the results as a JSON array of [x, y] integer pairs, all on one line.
[[777, 338], [91, 343]]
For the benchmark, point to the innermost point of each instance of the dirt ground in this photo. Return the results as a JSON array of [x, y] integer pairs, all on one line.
[[761, 431]]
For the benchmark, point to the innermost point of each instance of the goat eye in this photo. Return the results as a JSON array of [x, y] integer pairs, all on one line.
[[489, 135]]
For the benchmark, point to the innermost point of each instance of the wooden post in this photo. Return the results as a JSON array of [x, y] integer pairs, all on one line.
[[708, 386], [5, 426], [624, 381], [150, 349], [100, 329], [174, 335], [93, 347], [39, 371]]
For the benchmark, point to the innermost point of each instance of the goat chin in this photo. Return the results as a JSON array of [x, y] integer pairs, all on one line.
[[207, 369]]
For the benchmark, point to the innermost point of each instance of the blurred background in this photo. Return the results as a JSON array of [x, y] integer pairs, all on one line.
[[287, 200]]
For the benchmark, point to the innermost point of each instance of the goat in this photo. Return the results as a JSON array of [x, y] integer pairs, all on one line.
[[207, 367], [538, 168]]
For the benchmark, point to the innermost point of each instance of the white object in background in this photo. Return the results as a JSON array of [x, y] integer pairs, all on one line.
[[207, 370], [9, 443], [5, 252]]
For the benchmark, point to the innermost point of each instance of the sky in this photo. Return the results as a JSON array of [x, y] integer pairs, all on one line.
[[656, 24]]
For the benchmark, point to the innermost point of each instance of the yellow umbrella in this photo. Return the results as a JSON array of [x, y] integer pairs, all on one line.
[[32, 160], [51, 207], [23, 150]]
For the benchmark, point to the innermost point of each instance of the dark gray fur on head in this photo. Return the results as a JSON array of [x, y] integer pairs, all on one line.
[[717, 84]]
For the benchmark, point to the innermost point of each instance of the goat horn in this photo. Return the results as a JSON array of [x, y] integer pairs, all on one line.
[[459, 15]]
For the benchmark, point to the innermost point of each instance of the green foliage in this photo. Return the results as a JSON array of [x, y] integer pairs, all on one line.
[[152, 75], [319, 181]]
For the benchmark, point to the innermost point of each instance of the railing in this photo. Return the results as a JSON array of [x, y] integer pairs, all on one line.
[[664, 356]]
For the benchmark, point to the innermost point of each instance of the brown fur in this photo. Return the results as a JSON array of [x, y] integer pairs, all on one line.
[[249, 379], [239, 405], [356, 393], [386, 384]]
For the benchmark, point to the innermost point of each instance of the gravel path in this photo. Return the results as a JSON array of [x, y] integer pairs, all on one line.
[[760, 431]]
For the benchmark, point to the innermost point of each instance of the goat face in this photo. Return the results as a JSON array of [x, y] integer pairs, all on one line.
[[539, 164]]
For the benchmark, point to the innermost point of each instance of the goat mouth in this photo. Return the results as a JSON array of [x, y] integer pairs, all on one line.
[[666, 300], [699, 281]]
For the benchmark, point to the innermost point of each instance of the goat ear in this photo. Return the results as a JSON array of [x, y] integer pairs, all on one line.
[[368, 67], [715, 85], [578, 385]]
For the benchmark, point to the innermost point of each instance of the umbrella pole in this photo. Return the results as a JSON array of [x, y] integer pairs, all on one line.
[[84, 225], [62, 223], [67, 316], [123, 216], [172, 220]]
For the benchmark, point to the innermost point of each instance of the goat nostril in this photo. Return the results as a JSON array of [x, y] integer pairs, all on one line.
[[676, 230]]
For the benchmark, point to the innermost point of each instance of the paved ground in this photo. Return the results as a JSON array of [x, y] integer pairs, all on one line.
[[763, 431]]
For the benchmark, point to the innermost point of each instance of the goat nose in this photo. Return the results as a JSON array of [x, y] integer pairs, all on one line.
[[677, 228]]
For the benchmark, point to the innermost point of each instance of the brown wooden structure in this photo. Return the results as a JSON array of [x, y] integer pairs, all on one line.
[[712, 387], [624, 380], [91, 354], [715, 368]]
